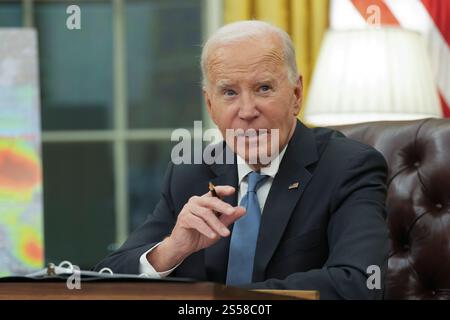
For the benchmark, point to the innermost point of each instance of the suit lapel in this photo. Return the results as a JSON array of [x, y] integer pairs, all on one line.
[[216, 256], [282, 199]]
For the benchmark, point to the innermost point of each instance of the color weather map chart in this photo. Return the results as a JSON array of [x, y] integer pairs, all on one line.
[[21, 208]]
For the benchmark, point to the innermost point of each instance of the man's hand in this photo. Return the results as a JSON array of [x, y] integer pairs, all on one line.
[[201, 223]]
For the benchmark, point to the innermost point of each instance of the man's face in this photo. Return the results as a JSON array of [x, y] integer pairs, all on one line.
[[249, 89]]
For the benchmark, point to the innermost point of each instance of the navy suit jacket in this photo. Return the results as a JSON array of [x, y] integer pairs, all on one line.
[[322, 235]]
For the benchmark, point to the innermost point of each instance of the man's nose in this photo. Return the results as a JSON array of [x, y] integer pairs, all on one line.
[[248, 107]]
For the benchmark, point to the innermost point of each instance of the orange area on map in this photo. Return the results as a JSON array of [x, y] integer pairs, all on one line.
[[33, 251], [17, 172]]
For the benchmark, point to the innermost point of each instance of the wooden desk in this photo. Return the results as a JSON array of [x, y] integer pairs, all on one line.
[[133, 291]]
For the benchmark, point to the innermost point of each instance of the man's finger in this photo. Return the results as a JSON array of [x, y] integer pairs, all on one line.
[[210, 218], [228, 220], [198, 224], [222, 191], [216, 205]]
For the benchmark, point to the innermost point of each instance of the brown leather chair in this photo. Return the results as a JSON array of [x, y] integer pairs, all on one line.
[[418, 203]]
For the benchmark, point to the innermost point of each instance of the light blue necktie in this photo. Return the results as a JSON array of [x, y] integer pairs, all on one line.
[[245, 235]]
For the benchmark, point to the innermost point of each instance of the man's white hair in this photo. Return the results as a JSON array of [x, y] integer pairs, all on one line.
[[241, 30]]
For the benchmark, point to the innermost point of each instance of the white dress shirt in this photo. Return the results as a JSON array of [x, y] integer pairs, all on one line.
[[243, 170]]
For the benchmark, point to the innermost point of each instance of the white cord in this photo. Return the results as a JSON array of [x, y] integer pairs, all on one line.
[[65, 262], [106, 270]]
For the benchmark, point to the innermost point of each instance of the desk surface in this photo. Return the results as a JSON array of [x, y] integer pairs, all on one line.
[[134, 291]]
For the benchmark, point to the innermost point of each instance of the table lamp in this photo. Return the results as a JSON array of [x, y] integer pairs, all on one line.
[[372, 74]]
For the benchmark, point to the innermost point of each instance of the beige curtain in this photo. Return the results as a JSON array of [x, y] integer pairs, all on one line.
[[304, 20]]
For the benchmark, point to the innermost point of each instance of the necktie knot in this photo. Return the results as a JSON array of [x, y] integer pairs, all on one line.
[[254, 180]]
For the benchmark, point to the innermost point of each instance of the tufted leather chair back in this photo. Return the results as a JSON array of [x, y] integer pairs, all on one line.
[[418, 203]]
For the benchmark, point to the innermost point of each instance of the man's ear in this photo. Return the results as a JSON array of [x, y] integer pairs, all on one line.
[[207, 99], [208, 104], [298, 93]]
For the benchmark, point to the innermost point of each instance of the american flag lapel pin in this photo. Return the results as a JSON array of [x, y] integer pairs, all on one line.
[[294, 185]]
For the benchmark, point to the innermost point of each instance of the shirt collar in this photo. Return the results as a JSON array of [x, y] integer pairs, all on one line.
[[271, 170]]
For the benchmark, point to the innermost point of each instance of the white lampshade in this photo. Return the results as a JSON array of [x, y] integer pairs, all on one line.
[[371, 75]]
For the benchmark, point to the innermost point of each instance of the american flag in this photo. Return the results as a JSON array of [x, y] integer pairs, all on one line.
[[429, 17]]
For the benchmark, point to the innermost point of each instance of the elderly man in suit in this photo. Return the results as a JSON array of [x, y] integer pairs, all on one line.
[[311, 218]]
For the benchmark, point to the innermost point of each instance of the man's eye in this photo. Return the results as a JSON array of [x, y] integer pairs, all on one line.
[[229, 93], [264, 88]]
